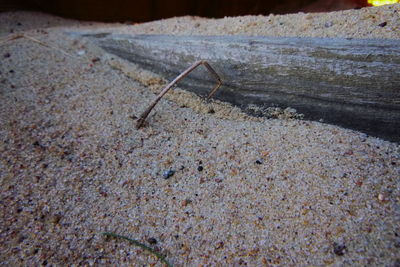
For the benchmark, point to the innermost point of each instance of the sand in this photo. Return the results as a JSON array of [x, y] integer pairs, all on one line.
[[246, 191]]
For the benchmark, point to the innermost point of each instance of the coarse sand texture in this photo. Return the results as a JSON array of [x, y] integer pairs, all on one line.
[[203, 183]]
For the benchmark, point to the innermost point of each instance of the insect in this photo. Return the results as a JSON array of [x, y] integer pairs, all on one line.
[[142, 118]]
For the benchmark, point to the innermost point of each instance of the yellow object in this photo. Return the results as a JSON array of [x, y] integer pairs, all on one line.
[[382, 2]]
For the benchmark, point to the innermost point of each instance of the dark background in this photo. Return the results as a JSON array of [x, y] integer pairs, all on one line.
[[147, 10]]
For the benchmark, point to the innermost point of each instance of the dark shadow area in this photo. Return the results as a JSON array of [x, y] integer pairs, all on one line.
[[148, 10]]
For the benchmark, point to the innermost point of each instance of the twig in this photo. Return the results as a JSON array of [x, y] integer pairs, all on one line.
[[141, 245], [17, 36], [144, 115], [10, 38]]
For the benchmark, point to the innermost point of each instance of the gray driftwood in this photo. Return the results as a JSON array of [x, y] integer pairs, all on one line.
[[353, 83]]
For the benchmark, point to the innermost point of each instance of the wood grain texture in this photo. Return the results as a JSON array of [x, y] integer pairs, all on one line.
[[354, 83]]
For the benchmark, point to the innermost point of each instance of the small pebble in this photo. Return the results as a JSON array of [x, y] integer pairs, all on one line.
[[36, 143], [339, 249], [359, 182], [200, 168], [219, 245], [168, 173], [186, 202], [383, 24], [152, 241], [56, 218], [382, 197], [258, 161]]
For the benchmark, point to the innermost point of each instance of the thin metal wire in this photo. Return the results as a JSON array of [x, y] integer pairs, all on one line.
[[144, 115]]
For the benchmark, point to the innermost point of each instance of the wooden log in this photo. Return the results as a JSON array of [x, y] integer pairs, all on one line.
[[354, 83]]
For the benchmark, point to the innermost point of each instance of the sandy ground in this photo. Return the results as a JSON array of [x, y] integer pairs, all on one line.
[[246, 191]]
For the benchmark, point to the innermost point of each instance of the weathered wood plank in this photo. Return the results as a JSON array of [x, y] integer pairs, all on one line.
[[354, 83]]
